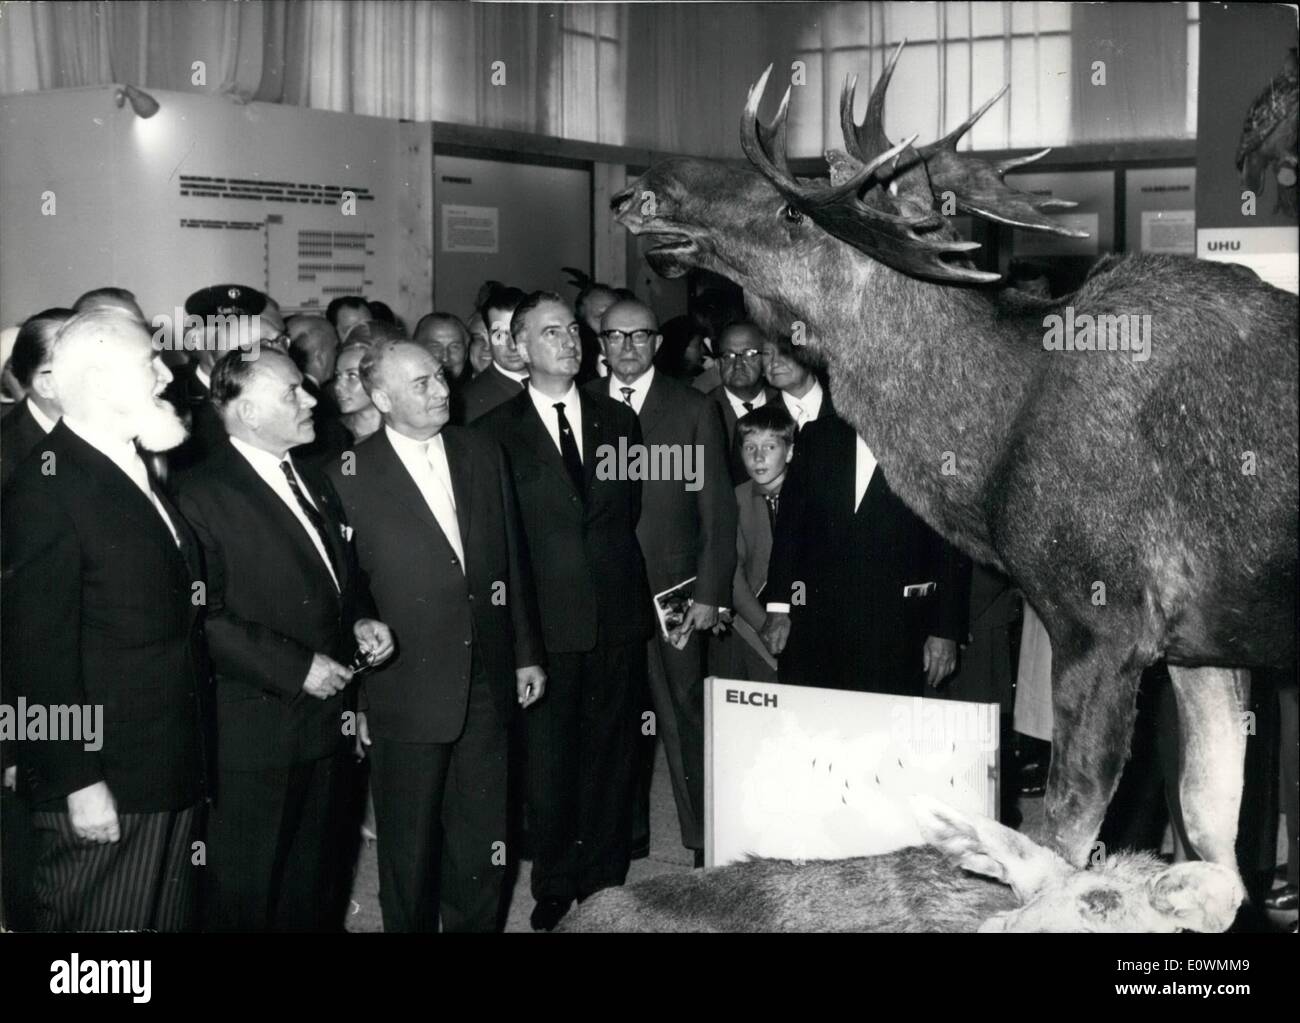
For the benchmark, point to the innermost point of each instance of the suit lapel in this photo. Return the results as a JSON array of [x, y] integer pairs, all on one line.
[[654, 406], [391, 474], [462, 482], [533, 431]]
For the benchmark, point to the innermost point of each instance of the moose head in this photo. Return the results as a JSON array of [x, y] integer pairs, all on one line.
[[769, 230]]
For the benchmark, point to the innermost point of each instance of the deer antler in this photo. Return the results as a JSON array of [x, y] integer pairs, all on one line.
[[893, 238]]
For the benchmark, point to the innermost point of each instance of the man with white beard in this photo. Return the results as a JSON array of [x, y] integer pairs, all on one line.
[[99, 575]]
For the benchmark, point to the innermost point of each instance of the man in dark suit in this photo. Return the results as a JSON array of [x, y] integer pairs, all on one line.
[[595, 610], [506, 377], [287, 608], [687, 530], [740, 362], [438, 537], [788, 368], [314, 346], [861, 594], [28, 423], [99, 572]]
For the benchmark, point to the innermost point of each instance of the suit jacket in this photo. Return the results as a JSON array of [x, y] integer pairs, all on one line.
[[753, 551], [271, 606], [729, 419], [587, 563], [682, 532], [438, 612], [193, 401], [20, 433], [98, 612], [485, 392], [854, 629]]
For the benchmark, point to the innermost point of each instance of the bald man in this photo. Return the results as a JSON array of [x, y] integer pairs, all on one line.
[[439, 538], [289, 620], [687, 531], [743, 389], [314, 348], [99, 576]]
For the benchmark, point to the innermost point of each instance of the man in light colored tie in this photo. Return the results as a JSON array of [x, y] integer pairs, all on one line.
[[787, 369], [437, 533]]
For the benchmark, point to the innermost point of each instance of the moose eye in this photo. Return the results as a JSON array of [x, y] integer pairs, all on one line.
[[792, 215]]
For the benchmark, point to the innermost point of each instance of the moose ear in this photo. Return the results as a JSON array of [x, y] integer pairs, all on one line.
[[983, 846], [1198, 896]]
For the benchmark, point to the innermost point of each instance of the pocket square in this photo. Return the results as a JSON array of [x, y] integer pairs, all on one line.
[[347, 533]]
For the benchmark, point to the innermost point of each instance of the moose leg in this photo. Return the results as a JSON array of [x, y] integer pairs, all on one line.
[[1213, 755], [1094, 703]]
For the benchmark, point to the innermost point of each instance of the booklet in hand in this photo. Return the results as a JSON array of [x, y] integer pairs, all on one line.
[[671, 605]]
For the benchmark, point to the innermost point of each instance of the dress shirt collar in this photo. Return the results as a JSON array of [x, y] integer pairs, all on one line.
[[263, 461], [201, 375], [640, 388], [738, 404], [42, 420], [810, 403], [410, 449], [546, 405], [510, 374], [121, 453]]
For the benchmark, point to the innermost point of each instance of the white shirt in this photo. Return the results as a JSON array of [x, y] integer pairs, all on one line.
[[572, 412], [42, 420], [124, 455], [738, 404], [204, 379], [426, 461], [806, 409], [640, 388], [267, 466], [864, 467]]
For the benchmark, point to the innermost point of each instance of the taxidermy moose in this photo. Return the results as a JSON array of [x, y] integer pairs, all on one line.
[[1146, 507]]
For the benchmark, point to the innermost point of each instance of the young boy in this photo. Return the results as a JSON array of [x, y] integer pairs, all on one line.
[[765, 438]]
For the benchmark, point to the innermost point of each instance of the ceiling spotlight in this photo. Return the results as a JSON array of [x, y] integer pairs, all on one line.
[[141, 102]]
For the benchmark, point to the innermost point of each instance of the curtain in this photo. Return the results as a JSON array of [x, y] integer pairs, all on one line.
[[667, 77]]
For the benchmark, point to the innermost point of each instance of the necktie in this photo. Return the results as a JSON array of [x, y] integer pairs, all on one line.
[[749, 406], [772, 500], [569, 447], [442, 502], [313, 516], [800, 416], [627, 395]]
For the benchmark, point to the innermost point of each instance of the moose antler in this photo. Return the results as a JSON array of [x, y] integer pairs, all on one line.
[[896, 239]]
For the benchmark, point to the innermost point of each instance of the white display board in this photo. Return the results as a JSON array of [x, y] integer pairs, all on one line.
[[207, 191], [804, 773]]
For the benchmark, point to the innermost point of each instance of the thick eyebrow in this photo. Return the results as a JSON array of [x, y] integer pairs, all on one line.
[[416, 380]]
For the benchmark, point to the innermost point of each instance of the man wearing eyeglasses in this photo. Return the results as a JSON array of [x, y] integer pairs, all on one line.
[[740, 361], [684, 532], [580, 527], [506, 377]]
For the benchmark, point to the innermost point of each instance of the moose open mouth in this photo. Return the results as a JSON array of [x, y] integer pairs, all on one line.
[[673, 256], [672, 243]]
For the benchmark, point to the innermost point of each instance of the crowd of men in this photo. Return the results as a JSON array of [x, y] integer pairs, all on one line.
[[296, 542]]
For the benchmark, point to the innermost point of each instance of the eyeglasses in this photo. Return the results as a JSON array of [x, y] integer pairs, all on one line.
[[747, 354], [362, 661], [640, 338]]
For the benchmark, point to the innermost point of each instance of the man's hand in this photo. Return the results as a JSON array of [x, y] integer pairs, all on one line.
[[530, 684], [775, 632], [374, 638], [940, 659], [93, 812], [363, 735], [725, 617], [326, 677], [698, 616]]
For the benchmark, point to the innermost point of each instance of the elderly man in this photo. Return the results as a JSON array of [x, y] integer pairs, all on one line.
[[595, 610], [314, 347], [687, 531], [289, 621], [505, 378], [740, 363], [787, 369], [438, 536], [99, 574], [446, 338]]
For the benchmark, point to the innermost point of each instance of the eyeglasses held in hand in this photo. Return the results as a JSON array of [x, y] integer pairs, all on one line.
[[362, 662]]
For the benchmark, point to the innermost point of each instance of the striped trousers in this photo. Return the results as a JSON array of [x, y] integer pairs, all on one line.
[[142, 882]]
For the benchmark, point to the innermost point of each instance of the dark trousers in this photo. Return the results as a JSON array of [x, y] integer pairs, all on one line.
[[582, 739], [143, 881], [1290, 753], [273, 850], [453, 791], [17, 854], [676, 679]]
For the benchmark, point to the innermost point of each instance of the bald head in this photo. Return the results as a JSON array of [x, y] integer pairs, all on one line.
[[107, 376], [314, 345], [409, 387]]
